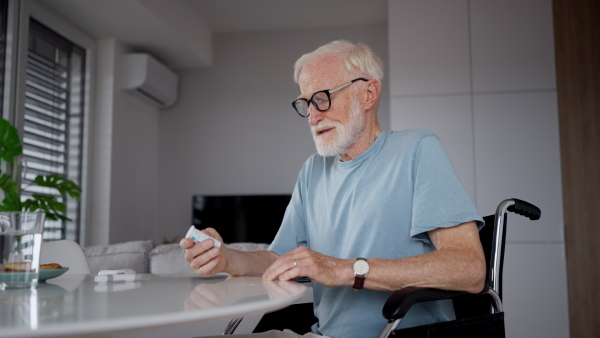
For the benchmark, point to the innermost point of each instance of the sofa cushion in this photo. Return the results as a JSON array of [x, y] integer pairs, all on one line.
[[169, 258], [128, 255]]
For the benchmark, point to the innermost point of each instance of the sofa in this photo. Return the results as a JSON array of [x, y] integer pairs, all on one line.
[[144, 257]]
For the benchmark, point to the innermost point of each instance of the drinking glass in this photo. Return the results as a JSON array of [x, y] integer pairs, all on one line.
[[20, 246]]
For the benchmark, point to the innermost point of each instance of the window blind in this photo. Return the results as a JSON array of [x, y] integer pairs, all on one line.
[[52, 124]]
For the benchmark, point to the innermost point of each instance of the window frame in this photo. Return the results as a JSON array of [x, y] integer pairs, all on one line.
[[19, 15], [4, 36]]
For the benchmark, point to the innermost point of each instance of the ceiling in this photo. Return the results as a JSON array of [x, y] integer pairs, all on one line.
[[180, 32], [248, 15]]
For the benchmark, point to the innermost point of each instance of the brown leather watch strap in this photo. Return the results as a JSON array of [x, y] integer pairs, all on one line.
[[361, 270], [359, 282]]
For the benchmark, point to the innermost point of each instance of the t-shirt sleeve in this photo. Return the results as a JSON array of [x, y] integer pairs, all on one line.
[[440, 199], [292, 232]]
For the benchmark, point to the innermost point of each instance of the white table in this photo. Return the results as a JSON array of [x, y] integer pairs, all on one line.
[[75, 305]]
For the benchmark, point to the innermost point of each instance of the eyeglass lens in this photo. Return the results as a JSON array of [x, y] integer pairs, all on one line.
[[319, 100], [301, 107]]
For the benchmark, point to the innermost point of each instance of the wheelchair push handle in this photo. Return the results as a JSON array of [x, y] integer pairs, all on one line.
[[525, 209]]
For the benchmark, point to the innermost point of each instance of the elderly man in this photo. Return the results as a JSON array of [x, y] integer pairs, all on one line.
[[371, 213]]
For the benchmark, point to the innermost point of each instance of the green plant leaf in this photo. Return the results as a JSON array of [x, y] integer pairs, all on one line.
[[9, 187], [63, 185], [10, 144], [11, 203], [47, 204], [167, 240]]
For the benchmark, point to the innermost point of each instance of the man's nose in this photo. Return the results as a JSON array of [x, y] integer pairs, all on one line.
[[314, 115]]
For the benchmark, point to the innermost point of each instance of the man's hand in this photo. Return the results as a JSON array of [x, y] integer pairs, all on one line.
[[303, 262], [204, 258]]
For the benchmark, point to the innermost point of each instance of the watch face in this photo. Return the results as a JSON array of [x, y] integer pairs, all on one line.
[[361, 267]]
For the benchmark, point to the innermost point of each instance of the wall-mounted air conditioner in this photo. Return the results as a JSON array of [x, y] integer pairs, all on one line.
[[147, 78]]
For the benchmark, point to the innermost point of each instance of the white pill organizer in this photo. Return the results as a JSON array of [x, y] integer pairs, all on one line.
[[110, 276], [198, 236]]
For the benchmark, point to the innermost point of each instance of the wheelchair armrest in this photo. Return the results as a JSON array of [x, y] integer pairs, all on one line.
[[401, 301]]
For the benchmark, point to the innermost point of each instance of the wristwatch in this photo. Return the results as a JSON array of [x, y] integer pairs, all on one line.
[[361, 269]]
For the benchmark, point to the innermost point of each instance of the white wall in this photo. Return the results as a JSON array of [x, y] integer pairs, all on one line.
[[481, 75], [234, 130], [124, 187], [135, 179]]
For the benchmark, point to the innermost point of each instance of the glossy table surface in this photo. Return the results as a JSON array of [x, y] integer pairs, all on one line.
[[73, 305]]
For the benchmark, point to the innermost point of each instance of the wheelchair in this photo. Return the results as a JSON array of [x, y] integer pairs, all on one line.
[[477, 314]]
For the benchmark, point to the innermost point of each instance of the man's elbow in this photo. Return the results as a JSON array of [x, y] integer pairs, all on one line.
[[477, 287], [477, 278]]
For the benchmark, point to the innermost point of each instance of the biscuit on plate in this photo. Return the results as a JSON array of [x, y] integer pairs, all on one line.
[[50, 266], [17, 267], [26, 266]]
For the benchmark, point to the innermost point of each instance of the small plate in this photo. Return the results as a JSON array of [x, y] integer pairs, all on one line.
[[23, 276], [49, 274]]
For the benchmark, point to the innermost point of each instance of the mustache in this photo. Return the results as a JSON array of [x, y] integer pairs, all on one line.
[[322, 125]]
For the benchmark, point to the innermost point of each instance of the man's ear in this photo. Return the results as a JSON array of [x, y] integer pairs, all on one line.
[[373, 92]]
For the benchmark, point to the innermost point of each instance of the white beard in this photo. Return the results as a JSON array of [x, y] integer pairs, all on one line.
[[343, 136]]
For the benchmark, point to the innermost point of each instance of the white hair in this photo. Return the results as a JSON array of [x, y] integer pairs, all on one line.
[[357, 58]]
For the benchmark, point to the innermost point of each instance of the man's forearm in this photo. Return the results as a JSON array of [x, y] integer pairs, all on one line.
[[446, 269], [457, 264], [249, 263]]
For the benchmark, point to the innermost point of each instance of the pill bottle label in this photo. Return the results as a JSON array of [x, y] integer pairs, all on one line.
[[198, 236]]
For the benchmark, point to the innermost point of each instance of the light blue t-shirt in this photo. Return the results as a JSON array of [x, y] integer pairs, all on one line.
[[380, 204]]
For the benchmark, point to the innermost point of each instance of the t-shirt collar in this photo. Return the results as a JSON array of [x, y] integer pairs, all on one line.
[[365, 155]]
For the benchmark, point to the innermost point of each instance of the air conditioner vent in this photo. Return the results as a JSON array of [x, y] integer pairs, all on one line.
[[150, 80]]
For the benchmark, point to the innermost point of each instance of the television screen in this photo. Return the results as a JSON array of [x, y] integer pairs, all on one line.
[[241, 218]]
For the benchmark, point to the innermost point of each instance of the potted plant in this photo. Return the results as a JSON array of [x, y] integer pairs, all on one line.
[[11, 151]]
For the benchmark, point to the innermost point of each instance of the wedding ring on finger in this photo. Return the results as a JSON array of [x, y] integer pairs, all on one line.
[[295, 264]]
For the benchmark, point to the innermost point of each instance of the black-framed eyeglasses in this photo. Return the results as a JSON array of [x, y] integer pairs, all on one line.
[[321, 100]]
